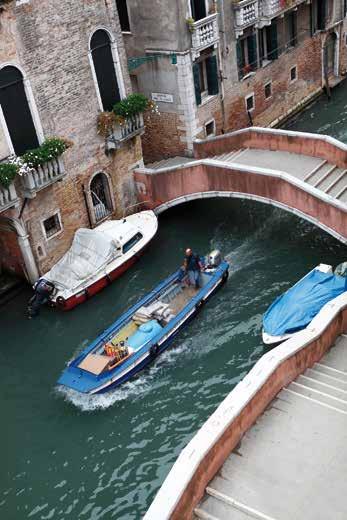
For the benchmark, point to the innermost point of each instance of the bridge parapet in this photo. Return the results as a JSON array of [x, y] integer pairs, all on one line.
[[314, 145]]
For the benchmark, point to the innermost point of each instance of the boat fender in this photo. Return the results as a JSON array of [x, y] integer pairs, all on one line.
[[154, 350], [60, 301]]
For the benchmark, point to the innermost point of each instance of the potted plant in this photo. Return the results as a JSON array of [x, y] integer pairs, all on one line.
[[190, 23]]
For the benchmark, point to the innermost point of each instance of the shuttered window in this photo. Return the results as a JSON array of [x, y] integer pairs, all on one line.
[[205, 74], [247, 56], [15, 107], [123, 15], [100, 47], [272, 42]]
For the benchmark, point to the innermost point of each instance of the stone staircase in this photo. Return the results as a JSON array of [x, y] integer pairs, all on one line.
[[330, 179]]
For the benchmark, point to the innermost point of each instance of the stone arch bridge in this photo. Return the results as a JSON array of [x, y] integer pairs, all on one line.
[[305, 174]]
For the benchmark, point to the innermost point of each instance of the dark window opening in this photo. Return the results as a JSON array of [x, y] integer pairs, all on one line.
[[210, 128], [134, 240], [291, 29], [247, 56], [250, 103], [15, 107], [268, 90], [100, 47], [293, 74], [198, 9], [52, 225], [123, 15]]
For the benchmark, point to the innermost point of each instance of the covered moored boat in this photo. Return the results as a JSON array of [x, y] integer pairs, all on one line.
[[295, 309], [143, 332], [98, 256]]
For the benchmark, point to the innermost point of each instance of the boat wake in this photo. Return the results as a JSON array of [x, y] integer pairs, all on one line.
[[147, 381]]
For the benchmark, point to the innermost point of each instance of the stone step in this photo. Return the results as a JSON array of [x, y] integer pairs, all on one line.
[[320, 166], [342, 173], [319, 396], [326, 178], [342, 194], [325, 378], [320, 367], [338, 187], [325, 388], [219, 506]]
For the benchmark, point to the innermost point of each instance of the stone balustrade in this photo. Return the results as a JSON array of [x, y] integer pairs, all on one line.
[[270, 8], [43, 176], [8, 197], [131, 127], [205, 32], [246, 13]]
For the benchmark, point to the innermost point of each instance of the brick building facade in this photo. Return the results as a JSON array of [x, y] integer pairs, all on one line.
[[53, 49], [216, 66]]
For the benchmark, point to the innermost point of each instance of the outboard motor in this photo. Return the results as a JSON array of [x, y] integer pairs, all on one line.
[[214, 259], [43, 290]]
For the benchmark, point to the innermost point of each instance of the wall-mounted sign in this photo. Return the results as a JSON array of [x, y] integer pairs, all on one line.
[[162, 98]]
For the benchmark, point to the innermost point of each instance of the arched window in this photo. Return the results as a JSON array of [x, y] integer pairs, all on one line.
[[16, 110], [101, 51], [100, 196]]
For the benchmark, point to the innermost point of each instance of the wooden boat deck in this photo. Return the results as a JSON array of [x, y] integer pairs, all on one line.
[[181, 299]]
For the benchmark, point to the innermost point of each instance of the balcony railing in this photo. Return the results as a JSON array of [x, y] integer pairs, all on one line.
[[270, 8], [41, 177], [8, 197], [204, 33], [246, 13], [122, 132]]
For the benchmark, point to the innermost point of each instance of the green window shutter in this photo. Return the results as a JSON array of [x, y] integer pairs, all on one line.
[[252, 51], [196, 75], [271, 40], [240, 58], [212, 75]]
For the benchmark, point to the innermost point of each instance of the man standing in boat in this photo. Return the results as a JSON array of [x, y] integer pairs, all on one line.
[[192, 266]]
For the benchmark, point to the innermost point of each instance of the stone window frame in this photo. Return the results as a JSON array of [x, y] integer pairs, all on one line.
[[265, 85], [90, 204], [189, 8], [129, 18], [32, 107], [249, 96], [59, 232], [116, 63], [293, 80]]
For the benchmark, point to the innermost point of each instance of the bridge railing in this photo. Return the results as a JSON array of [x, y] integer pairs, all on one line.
[[314, 145], [202, 458]]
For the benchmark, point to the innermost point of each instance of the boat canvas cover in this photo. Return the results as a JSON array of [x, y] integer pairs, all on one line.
[[90, 251], [296, 308]]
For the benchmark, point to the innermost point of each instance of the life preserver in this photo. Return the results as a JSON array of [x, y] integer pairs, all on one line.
[[225, 276], [154, 350], [109, 350], [60, 301]]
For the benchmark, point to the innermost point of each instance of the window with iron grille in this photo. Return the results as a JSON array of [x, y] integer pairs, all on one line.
[[293, 73], [268, 90], [250, 102]]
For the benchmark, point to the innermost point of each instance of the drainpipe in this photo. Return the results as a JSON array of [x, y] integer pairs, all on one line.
[[221, 54]]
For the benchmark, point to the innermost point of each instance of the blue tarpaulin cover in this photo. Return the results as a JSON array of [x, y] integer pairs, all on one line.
[[296, 308]]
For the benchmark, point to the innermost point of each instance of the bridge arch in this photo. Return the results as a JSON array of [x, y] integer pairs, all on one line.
[[246, 196]]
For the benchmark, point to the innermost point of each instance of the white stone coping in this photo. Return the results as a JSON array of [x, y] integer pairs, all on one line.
[[230, 408], [272, 131]]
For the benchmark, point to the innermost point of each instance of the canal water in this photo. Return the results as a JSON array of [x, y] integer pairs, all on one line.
[[65, 456]]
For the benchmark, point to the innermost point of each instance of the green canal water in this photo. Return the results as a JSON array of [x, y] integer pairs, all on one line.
[[70, 457]]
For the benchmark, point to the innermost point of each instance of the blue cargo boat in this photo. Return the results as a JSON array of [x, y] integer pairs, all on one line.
[[143, 332]]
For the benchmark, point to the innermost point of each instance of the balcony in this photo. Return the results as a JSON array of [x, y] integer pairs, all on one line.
[[271, 8], [246, 13], [131, 127], [8, 197], [43, 176], [205, 33]]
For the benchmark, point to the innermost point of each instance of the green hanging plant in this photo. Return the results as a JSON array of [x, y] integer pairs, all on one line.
[[131, 106], [8, 172], [50, 149]]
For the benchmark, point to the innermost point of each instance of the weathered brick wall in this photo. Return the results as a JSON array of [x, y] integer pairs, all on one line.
[[162, 138], [50, 43]]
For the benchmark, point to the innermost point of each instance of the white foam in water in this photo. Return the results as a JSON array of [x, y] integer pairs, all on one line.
[[137, 387]]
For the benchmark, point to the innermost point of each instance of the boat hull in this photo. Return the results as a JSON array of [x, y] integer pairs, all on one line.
[[79, 380], [163, 346], [97, 286]]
